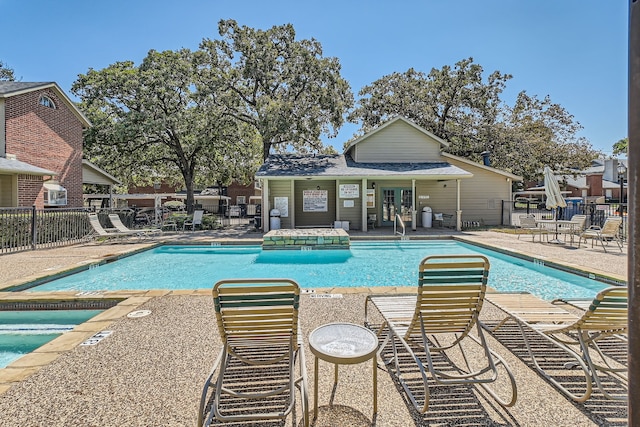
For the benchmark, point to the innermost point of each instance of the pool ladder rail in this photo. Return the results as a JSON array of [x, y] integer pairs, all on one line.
[[395, 226]]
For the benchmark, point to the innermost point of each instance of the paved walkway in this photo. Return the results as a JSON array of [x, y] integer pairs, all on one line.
[[150, 370]]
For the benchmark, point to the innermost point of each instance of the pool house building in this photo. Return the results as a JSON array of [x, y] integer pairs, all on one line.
[[397, 173]]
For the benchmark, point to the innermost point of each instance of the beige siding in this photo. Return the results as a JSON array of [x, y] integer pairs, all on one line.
[[310, 219], [6, 191], [89, 176], [279, 188], [398, 143], [351, 214], [480, 197]]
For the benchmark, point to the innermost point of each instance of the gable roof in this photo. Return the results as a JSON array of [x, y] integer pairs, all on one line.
[[286, 166], [389, 123], [481, 166], [9, 89], [92, 174]]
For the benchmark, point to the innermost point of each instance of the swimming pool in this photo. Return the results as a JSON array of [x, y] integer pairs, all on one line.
[[21, 332], [366, 264]]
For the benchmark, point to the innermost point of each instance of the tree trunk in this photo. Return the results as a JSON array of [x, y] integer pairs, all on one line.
[[188, 182], [266, 148]]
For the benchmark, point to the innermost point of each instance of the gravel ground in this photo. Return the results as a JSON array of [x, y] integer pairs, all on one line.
[[151, 369]]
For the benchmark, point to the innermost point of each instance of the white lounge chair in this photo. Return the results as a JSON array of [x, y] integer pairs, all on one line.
[[100, 232], [145, 232]]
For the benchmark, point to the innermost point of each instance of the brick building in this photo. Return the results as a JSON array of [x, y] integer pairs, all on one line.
[[40, 146]]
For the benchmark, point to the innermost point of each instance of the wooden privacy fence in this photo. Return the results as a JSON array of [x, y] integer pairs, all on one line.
[[23, 229]]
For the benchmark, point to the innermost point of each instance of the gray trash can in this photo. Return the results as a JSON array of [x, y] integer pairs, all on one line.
[[274, 219], [427, 217]]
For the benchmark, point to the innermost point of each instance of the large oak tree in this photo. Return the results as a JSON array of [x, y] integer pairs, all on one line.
[[283, 88], [150, 123], [460, 105]]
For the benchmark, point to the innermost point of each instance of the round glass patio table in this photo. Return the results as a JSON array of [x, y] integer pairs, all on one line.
[[344, 344]]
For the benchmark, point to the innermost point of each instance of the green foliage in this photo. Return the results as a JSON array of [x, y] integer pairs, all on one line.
[[281, 87], [196, 118], [6, 73], [150, 123], [621, 147], [209, 221], [462, 107]]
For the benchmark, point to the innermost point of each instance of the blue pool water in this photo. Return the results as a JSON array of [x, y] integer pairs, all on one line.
[[364, 265], [21, 332]]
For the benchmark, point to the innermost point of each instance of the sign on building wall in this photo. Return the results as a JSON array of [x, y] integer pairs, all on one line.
[[371, 198], [315, 200], [282, 204], [349, 191]]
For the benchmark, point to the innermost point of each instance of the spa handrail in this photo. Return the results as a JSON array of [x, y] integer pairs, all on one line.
[[395, 225]]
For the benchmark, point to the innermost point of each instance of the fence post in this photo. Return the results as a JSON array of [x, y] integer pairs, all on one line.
[[34, 229]]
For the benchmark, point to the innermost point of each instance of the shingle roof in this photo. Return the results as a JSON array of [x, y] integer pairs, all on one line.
[[336, 165], [7, 87]]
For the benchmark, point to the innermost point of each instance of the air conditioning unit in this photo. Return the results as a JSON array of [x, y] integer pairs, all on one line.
[[54, 194]]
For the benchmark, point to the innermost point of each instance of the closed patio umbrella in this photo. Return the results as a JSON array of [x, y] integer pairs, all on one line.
[[552, 190], [553, 195]]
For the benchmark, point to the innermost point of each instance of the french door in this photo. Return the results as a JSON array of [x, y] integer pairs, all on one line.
[[396, 201]]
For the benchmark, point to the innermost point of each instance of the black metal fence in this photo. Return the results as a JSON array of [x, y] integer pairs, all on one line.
[[596, 212], [24, 229]]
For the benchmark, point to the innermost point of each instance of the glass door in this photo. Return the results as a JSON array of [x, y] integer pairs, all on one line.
[[396, 201]]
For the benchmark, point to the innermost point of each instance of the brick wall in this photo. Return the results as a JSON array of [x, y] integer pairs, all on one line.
[[595, 185], [234, 190], [30, 191], [47, 138]]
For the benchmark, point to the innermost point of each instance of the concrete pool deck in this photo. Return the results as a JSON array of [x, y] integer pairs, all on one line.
[[151, 369]]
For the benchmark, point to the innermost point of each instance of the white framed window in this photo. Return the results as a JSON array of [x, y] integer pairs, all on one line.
[[241, 200], [54, 194], [45, 101]]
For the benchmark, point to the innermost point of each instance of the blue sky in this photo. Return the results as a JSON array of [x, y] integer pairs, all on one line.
[[575, 51]]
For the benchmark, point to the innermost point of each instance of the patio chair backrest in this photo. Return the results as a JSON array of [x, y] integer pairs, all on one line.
[[527, 221], [611, 226], [257, 312], [95, 223], [197, 217], [607, 312], [450, 295], [117, 223], [580, 220]]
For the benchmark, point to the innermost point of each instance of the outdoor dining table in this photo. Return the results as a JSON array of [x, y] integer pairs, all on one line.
[[568, 225]]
